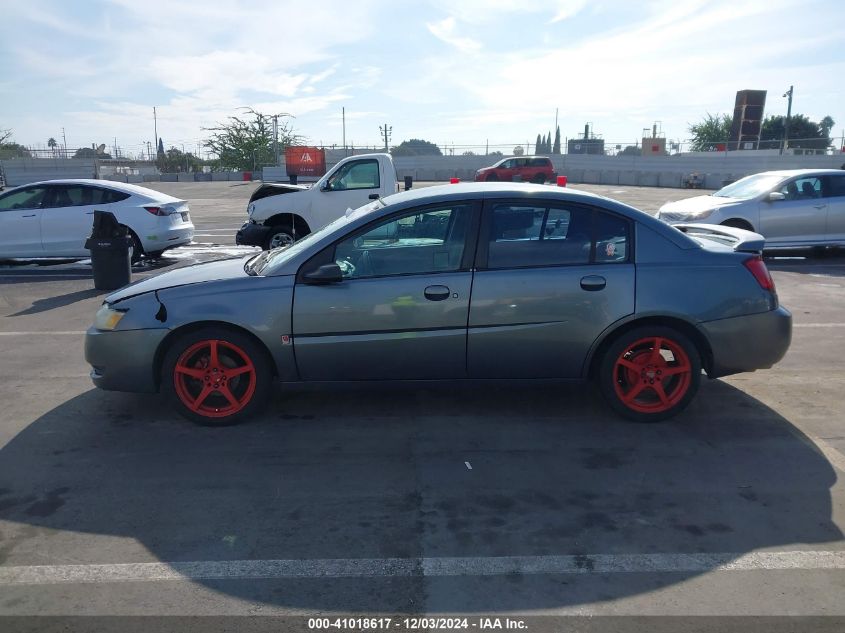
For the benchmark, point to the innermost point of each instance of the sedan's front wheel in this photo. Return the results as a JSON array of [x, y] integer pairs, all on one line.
[[216, 377], [650, 373]]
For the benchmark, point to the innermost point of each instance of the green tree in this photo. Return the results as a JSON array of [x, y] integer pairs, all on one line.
[[173, 160], [246, 142], [548, 148], [9, 149], [89, 152], [630, 150], [803, 133], [538, 145], [710, 132], [416, 147], [51, 143], [556, 146], [518, 150]]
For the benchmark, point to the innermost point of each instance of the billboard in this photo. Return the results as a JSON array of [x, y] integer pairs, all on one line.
[[748, 119], [305, 161]]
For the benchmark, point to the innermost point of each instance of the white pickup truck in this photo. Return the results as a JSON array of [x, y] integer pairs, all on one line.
[[280, 214]]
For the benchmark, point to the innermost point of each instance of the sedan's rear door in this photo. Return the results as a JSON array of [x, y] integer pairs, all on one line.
[[834, 195], [550, 278]]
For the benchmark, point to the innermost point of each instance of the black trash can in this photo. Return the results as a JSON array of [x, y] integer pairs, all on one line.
[[110, 246], [409, 182], [293, 179]]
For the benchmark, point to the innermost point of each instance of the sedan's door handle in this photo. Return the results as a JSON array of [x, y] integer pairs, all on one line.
[[819, 206], [593, 282], [89, 213], [437, 293]]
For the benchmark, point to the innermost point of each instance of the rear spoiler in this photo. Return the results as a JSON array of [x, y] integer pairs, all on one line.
[[738, 239]]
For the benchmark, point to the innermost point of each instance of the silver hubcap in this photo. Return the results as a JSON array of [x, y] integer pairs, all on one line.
[[281, 239]]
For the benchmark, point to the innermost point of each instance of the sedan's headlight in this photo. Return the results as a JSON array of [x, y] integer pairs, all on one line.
[[700, 215], [107, 317], [250, 209]]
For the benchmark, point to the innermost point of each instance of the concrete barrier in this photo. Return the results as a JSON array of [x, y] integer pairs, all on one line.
[[573, 175], [134, 178], [219, 176], [170, 178], [202, 177], [592, 176], [236, 175], [714, 181], [669, 179], [647, 179], [152, 178], [116, 178], [185, 177], [628, 177], [609, 177]]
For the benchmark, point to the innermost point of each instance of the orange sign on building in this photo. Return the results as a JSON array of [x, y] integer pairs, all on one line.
[[305, 161]]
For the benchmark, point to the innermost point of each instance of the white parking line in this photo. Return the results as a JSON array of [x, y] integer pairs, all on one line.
[[800, 325], [389, 567], [58, 333]]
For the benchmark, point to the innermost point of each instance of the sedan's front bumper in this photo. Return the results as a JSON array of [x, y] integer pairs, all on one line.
[[746, 343], [123, 360], [252, 234]]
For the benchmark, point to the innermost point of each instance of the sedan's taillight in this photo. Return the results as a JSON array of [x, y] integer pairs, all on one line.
[[757, 267], [159, 210]]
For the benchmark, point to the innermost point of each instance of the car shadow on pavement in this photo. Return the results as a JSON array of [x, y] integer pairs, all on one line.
[[414, 473], [60, 301]]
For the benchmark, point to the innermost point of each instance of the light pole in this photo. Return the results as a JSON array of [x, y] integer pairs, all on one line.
[[785, 143], [386, 130]]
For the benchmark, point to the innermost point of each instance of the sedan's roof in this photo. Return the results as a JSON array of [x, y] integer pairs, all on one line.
[[789, 173], [108, 184]]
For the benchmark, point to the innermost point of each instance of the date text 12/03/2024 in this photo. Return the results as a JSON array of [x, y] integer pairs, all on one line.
[[416, 623]]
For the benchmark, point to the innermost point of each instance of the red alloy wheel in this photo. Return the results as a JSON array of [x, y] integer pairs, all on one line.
[[652, 375], [214, 378]]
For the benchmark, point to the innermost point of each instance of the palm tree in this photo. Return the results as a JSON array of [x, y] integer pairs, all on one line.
[[826, 125], [51, 143]]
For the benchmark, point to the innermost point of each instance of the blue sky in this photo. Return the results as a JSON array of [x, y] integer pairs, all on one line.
[[460, 72]]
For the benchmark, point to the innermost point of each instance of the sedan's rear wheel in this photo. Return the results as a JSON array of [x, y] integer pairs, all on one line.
[[650, 373], [216, 377]]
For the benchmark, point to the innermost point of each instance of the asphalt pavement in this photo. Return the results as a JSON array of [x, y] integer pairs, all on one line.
[[505, 500]]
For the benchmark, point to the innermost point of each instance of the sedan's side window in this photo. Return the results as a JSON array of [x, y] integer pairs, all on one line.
[[359, 174], [538, 236], [805, 188], [28, 198], [835, 187], [423, 241]]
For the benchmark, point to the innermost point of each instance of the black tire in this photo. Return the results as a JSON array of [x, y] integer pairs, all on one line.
[[539, 179], [492, 178], [738, 224], [154, 254], [236, 352], [280, 235], [137, 248], [644, 402]]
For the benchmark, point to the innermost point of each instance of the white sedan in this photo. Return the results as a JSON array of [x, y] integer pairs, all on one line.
[[790, 208], [54, 218]]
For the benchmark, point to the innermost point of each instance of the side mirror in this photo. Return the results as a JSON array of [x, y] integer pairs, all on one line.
[[326, 186], [325, 274], [774, 196]]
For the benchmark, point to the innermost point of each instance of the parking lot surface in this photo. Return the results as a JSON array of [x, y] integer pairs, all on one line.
[[503, 499]]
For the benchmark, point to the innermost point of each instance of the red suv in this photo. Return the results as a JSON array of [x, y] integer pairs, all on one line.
[[537, 169]]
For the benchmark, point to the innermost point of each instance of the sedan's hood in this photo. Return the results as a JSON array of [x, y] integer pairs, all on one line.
[[211, 271], [698, 203]]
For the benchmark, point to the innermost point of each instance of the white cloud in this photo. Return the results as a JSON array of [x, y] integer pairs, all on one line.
[[445, 31]]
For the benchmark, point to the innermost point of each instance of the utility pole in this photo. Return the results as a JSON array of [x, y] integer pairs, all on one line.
[[785, 143], [64, 142], [386, 131], [276, 138], [155, 128], [343, 118]]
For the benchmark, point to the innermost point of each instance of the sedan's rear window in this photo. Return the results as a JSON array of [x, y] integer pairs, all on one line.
[[538, 236]]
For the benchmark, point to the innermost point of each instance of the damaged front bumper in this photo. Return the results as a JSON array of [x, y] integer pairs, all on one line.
[[252, 234]]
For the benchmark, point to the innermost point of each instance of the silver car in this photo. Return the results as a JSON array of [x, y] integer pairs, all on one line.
[[791, 209], [468, 281]]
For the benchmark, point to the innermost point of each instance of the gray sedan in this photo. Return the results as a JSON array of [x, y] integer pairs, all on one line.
[[792, 209], [469, 281]]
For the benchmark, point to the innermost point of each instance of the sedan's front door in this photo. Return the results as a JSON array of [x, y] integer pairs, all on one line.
[[68, 218], [552, 277], [801, 218], [400, 311], [20, 222]]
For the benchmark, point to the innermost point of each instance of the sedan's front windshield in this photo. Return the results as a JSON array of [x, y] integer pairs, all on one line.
[[749, 187], [267, 262]]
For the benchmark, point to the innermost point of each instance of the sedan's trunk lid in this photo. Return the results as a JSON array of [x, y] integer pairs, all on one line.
[[710, 235]]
